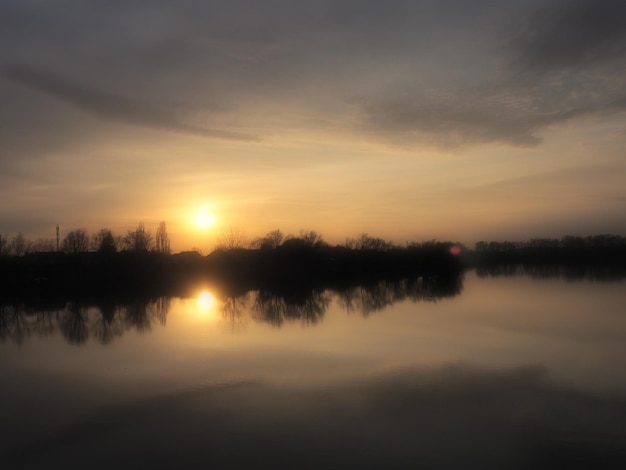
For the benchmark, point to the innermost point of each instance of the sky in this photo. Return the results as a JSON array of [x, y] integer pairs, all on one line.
[[407, 120]]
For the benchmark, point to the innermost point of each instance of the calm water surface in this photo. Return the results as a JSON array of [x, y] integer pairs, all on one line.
[[511, 372]]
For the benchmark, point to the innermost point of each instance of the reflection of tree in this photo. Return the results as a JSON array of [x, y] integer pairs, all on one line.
[[44, 323], [109, 318], [140, 314], [274, 308], [433, 288], [366, 299], [161, 308], [13, 324], [5, 322], [108, 323], [375, 297], [233, 311], [73, 323], [78, 321], [569, 272], [19, 321], [137, 316]]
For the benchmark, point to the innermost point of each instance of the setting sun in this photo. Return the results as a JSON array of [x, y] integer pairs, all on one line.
[[204, 219]]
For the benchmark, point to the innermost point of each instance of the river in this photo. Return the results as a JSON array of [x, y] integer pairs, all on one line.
[[484, 371]]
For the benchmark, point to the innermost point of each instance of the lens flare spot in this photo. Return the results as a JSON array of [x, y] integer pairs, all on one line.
[[455, 250]]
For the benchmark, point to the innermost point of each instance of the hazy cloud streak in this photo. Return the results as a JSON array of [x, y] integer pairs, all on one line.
[[109, 106], [476, 116], [565, 61]]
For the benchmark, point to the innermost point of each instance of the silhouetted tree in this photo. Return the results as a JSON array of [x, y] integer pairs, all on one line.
[[139, 239], [19, 245], [104, 242], [4, 246], [231, 239], [44, 245], [270, 241], [162, 239], [76, 241], [572, 243], [365, 242], [312, 238], [306, 239]]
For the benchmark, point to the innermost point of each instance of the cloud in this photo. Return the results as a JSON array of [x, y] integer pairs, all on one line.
[[447, 73], [564, 62], [109, 106], [570, 33], [475, 116], [472, 116]]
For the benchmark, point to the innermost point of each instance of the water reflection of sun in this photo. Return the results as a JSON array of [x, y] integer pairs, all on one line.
[[205, 300]]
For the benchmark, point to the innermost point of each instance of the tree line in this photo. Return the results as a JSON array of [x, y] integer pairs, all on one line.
[[596, 249], [80, 241], [141, 240], [139, 262], [233, 239], [605, 247], [96, 265]]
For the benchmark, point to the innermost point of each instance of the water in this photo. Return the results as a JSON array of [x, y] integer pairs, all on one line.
[[496, 372]]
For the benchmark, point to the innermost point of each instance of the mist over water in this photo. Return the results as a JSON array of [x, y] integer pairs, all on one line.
[[486, 371]]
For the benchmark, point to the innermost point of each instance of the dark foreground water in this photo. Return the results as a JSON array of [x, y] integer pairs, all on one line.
[[497, 373]]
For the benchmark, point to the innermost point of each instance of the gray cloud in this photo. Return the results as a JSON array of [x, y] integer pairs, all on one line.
[[450, 122], [447, 73], [312, 53], [565, 61], [570, 33], [110, 106], [471, 116]]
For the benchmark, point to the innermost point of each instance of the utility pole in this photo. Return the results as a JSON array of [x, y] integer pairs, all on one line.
[[57, 238]]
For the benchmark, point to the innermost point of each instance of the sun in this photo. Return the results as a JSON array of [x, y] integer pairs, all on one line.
[[205, 300], [204, 219]]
